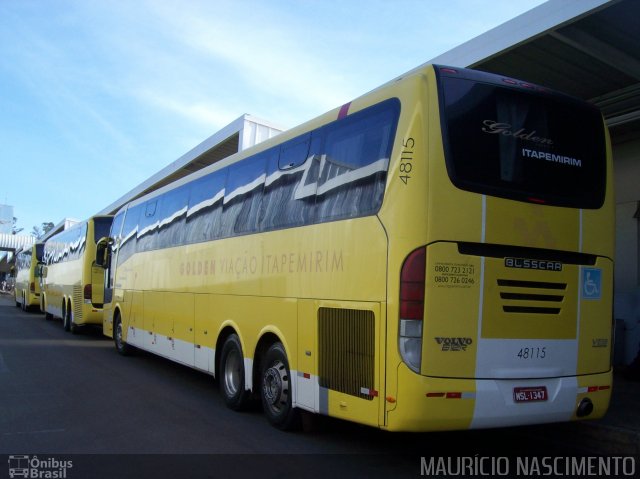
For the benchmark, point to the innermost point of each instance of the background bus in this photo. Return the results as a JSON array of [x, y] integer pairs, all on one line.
[[27, 276], [436, 254], [67, 276]]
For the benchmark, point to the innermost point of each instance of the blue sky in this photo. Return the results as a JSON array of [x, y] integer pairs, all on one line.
[[98, 95]]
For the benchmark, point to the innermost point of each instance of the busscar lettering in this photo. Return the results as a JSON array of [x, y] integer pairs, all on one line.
[[522, 263]]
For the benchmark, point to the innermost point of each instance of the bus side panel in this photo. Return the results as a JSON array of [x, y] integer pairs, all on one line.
[[404, 211], [204, 333], [133, 318], [453, 298], [596, 307], [251, 318]]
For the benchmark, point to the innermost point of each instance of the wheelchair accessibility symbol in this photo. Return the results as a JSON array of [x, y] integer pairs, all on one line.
[[591, 283]]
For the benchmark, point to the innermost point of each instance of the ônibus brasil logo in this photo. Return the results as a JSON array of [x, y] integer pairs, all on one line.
[[34, 467]]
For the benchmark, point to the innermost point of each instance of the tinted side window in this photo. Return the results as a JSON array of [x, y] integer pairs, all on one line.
[[204, 215], [23, 260], [242, 196], [172, 217], [116, 235], [337, 171], [116, 230], [148, 226], [116, 226], [129, 233], [294, 152], [290, 194], [67, 245], [354, 162]]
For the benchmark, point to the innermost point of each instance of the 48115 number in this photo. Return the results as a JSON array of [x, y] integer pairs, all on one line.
[[532, 353], [406, 160]]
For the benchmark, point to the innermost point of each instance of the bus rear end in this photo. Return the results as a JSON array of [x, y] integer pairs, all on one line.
[[515, 323]]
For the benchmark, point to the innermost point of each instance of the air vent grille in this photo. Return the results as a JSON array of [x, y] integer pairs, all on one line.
[[347, 351]]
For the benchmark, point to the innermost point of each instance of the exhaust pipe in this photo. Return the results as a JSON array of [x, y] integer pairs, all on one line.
[[584, 408]]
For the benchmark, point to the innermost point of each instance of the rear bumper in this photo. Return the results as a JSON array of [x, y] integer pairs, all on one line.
[[429, 404]]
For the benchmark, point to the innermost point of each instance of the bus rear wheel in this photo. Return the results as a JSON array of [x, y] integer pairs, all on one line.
[[65, 316], [276, 389], [231, 374]]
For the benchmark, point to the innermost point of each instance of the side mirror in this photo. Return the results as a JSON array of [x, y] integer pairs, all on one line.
[[45, 270], [12, 272], [39, 270], [103, 252]]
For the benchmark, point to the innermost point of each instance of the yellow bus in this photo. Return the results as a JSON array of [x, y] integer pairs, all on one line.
[[436, 254], [27, 276], [67, 275]]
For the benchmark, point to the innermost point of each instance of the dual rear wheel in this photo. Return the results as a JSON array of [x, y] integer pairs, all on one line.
[[275, 382], [67, 318], [275, 387]]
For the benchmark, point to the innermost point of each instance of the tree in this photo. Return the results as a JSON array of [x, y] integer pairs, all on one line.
[[46, 227], [14, 229], [39, 231]]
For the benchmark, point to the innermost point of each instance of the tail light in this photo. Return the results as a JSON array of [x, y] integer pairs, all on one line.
[[412, 286], [87, 291], [32, 287]]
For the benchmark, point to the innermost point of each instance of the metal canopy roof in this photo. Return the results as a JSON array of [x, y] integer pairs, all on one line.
[[242, 133], [588, 48]]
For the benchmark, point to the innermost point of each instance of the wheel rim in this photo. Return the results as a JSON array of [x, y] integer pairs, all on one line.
[[275, 386], [233, 372], [119, 335]]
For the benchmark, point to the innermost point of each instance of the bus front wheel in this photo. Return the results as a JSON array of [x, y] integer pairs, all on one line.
[[231, 374], [121, 346], [275, 389]]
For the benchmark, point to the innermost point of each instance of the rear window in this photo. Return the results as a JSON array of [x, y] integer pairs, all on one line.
[[522, 143]]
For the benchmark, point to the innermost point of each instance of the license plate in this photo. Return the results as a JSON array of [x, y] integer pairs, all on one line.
[[530, 394]]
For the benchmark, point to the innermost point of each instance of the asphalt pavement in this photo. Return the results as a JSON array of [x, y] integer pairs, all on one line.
[[73, 394]]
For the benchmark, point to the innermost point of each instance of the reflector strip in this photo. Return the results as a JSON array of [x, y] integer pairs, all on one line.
[[592, 389], [452, 395], [344, 109], [369, 392], [306, 375]]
